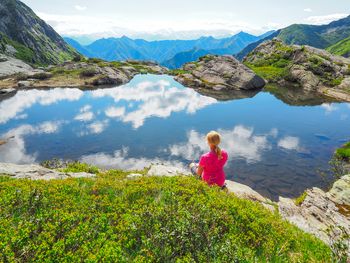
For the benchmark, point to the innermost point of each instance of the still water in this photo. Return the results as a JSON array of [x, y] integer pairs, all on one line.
[[275, 148]]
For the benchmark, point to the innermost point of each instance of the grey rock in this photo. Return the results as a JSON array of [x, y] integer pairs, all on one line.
[[317, 215], [340, 192], [24, 84], [36, 172], [3, 59], [220, 72], [7, 91], [312, 69], [245, 192], [164, 170], [13, 66], [133, 176]]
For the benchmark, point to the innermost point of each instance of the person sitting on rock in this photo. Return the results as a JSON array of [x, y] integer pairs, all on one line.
[[211, 165]]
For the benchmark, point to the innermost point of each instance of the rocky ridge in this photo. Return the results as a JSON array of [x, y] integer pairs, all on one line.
[[85, 73], [323, 214], [218, 73], [312, 69]]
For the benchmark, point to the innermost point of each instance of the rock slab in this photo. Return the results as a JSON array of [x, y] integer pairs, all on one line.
[[37, 172]]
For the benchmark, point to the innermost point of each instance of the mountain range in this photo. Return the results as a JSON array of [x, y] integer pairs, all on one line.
[[25, 36], [319, 36], [170, 53]]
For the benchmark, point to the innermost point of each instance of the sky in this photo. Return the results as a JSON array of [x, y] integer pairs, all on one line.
[[181, 19]]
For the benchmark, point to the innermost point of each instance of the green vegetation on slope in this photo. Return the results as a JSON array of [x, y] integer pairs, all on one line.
[[22, 52], [150, 219], [273, 66], [344, 152], [342, 48]]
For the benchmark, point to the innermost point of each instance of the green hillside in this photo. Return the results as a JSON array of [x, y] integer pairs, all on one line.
[[317, 36], [342, 48], [26, 36], [150, 219]]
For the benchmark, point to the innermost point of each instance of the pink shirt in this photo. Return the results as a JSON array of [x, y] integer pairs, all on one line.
[[213, 172]]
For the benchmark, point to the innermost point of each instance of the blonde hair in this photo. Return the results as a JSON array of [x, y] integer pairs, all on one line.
[[214, 140]]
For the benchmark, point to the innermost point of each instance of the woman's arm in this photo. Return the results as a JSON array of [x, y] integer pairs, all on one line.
[[200, 170]]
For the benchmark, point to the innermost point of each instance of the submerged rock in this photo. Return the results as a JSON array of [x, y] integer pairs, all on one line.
[[219, 73]]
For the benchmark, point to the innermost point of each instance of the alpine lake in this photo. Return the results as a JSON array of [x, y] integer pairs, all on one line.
[[278, 144]]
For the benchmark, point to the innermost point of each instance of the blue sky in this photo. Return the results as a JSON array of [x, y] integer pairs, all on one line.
[[181, 19]]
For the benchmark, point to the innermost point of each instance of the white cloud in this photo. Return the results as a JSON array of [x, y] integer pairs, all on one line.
[[240, 142], [154, 99], [221, 25], [80, 8], [120, 160], [85, 114], [97, 127], [329, 108], [290, 143], [309, 10], [14, 151], [24, 99], [320, 20], [114, 112]]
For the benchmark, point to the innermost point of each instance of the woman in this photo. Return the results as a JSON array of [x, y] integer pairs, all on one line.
[[211, 164]]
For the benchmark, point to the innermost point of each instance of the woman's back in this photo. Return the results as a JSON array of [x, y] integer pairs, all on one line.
[[213, 167]]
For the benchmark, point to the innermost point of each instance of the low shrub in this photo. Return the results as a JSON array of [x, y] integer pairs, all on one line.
[[88, 73], [344, 152], [41, 76], [150, 219], [21, 76]]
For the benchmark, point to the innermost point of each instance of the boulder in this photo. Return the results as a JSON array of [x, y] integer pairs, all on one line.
[[340, 192], [37, 172], [12, 66], [219, 73], [164, 170], [24, 84], [245, 192], [133, 176]]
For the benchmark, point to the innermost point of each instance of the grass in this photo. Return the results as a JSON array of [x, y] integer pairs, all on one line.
[[149, 219], [23, 53], [270, 73], [298, 201], [344, 152], [341, 48], [176, 72]]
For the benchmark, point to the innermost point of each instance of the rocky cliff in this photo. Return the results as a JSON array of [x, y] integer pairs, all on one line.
[[310, 68], [25, 36]]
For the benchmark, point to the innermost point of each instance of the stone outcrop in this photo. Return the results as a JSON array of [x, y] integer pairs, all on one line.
[[312, 69], [219, 73], [340, 192], [37, 172], [10, 66], [322, 214], [75, 74]]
